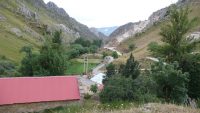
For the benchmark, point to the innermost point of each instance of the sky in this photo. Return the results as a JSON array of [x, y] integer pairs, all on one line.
[[107, 13]]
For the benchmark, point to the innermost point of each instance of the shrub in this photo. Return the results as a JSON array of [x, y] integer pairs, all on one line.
[[117, 88], [87, 96], [94, 88], [115, 55], [172, 82]]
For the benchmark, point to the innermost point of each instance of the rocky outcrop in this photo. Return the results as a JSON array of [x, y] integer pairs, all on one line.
[[2, 18], [16, 31], [131, 29], [56, 9], [195, 36], [128, 30]]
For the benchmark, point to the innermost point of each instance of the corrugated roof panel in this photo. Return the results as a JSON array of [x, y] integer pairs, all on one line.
[[38, 89]]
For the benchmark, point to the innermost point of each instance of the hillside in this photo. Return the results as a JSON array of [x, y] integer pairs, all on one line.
[[24, 22], [142, 40]]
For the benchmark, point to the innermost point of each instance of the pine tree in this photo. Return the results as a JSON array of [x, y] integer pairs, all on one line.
[[131, 68]]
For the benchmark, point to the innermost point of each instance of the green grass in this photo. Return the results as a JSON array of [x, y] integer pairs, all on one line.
[[76, 68]]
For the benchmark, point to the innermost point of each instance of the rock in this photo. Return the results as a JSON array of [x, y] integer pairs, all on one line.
[[16, 31], [31, 32], [25, 11], [54, 7], [195, 36], [2, 18]]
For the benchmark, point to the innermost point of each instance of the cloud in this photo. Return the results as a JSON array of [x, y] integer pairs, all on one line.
[[103, 13]]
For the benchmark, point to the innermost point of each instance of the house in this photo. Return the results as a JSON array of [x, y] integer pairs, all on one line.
[[27, 90]]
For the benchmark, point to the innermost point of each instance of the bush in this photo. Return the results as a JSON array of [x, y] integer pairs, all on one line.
[[87, 96], [117, 88], [145, 89], [94, 88], [115, 55], [172, 82]]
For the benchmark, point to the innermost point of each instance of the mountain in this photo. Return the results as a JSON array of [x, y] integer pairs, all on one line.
[[24, 22], [98, 33], [130, 29], [107, 30], [151, 34]]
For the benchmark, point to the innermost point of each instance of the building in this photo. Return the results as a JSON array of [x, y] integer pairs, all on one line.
[[33, 91]]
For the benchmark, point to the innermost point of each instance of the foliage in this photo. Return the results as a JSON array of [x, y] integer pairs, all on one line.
[[50, 61], [27, 63], [117, 88], [94, 88], [104, 54], [191, 64], [7, 68], [173, 35], [131, 47], [82, 46], [145, 89], [131, 68], [115, 55], [87, 96], [110, 71], [172, 82], [177, 48]]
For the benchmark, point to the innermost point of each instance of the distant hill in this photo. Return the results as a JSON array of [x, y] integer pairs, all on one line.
[[98, 33], [107, 30], [24, 22]]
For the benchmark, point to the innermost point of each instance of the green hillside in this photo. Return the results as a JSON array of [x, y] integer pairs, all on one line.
[[152, 35], [24, 22]]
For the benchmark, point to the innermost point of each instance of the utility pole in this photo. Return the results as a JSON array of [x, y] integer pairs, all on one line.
[[85, 61]]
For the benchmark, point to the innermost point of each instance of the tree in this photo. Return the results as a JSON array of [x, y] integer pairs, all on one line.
[[115, 54], [94, 88], [26, 68], [117, 89], [110, 71], [171, 82], [176, 47], [131, 68], [131, 47], [50, 61], [173, 35]]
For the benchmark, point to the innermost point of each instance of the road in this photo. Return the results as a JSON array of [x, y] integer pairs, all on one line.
[[107, 61]]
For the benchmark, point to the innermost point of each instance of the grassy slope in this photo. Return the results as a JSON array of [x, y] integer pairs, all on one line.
[[90, 106], [10, 44], [151, 35]]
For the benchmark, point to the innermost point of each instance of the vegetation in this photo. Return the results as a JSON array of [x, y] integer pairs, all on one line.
[[7, 68], [115, 55], [94, 88], [77, 68], [131, 69], [131, 47], [82, 46], [50, 61], [171, 82], [177, 48]]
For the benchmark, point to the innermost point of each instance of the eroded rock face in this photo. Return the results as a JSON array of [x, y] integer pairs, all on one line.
[[195, 36], [16, 31], [25, 11], [54, 7], [2, 18]]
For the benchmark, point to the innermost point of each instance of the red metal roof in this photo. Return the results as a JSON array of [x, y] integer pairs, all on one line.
[[38, 89]]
